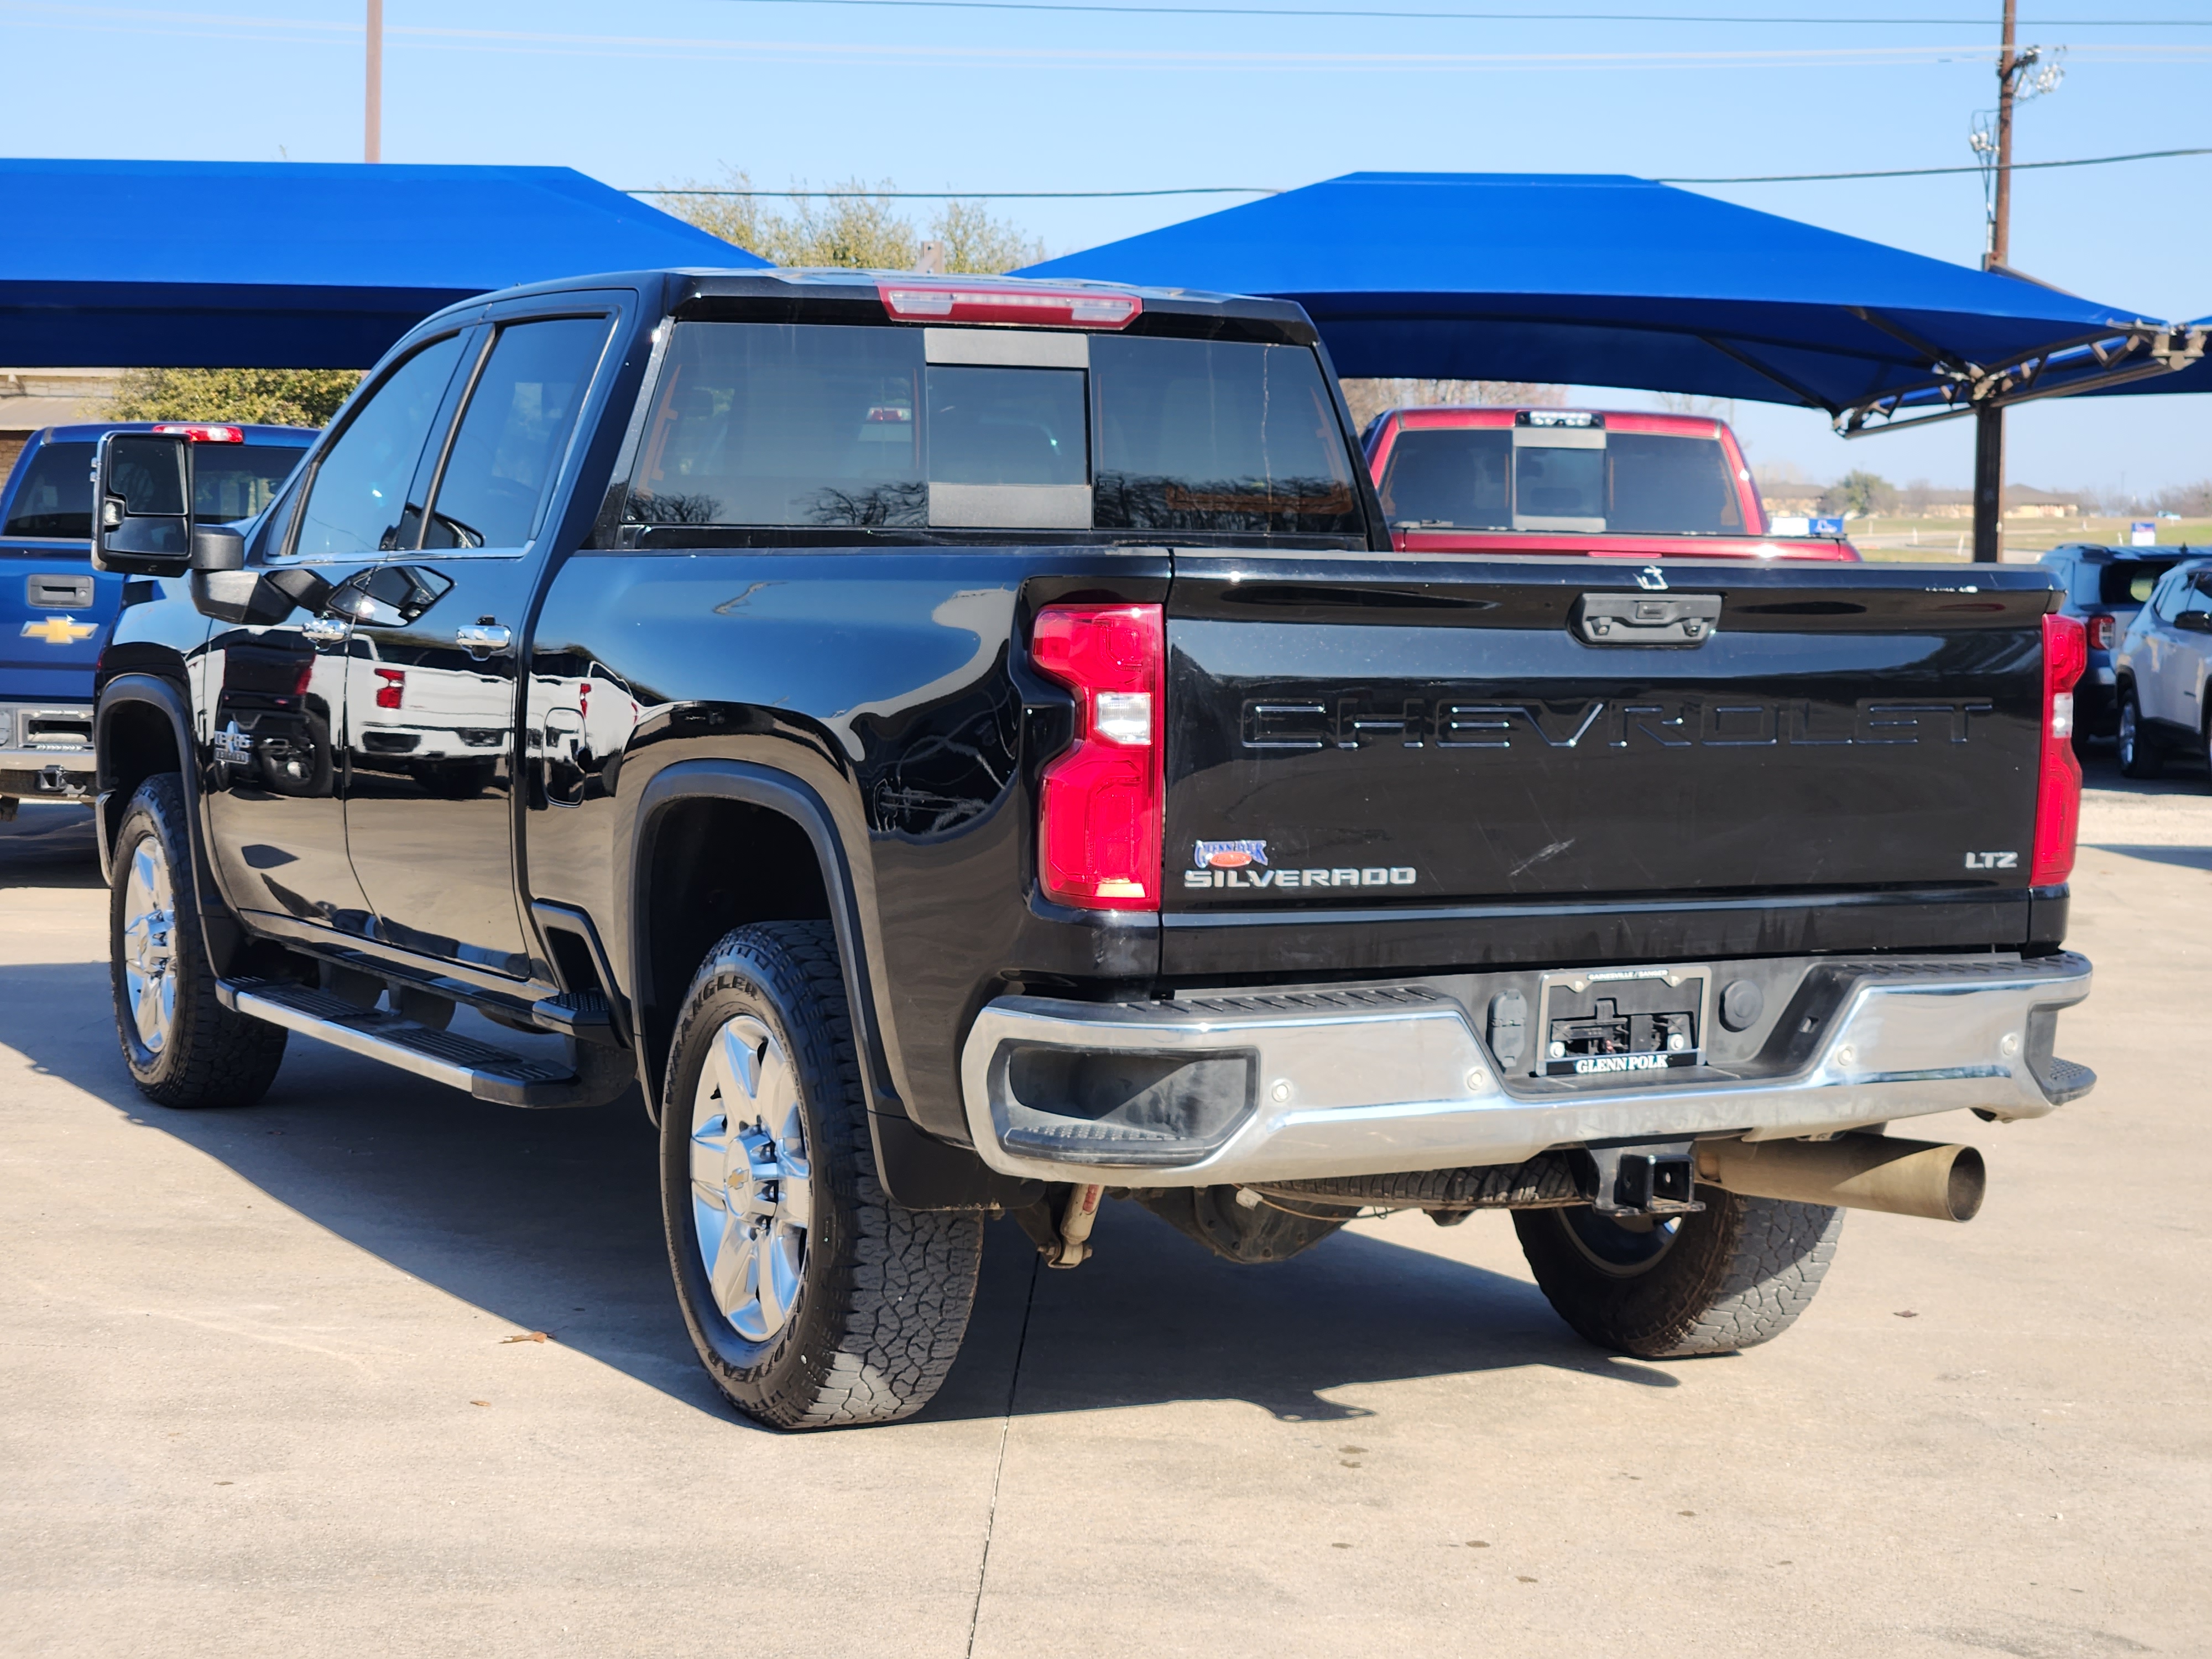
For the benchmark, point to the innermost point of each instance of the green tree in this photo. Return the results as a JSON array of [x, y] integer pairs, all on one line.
[[852, 224], [251, 397], [1861, 494]]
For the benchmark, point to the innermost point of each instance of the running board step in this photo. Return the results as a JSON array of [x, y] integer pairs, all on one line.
[[490, 1074], [583, 1015]]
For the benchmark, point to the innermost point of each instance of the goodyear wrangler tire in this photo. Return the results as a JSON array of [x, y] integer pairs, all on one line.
[[813, 1301], [183, 1047], [1734, 1275]]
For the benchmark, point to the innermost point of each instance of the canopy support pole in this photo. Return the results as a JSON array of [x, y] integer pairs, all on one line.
[[1989, 484]]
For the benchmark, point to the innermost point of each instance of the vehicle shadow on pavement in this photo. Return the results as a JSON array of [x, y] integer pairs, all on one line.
[[2187, 857], [551, 1220], [49, 846]]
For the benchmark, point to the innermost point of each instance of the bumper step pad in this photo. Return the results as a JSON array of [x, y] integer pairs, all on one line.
[[1545, 1181], [488, 1073]]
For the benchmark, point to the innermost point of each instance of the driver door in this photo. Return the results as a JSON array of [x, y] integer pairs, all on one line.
[[272, 696]]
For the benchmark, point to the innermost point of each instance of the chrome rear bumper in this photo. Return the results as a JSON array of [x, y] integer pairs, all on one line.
[[1378, 1078]]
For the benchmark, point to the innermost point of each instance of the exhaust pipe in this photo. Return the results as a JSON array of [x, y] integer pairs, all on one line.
[[1855, 1171]]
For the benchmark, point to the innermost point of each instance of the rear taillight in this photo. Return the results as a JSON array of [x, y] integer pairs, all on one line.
[[394, 687], [1040, 308], [2101, 629], [2059, 782], [1099, 830], [204, 434]]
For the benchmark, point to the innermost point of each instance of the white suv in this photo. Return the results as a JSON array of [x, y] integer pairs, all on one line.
[[2161, 667]]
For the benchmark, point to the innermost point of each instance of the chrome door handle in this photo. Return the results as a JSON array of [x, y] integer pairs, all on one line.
[[482, 640], [325, 630]]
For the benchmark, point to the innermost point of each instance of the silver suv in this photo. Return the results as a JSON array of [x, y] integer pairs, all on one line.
[[2161, 667]]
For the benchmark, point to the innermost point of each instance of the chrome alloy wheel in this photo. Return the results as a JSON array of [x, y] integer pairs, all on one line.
[[752, 1179], [149, 924]]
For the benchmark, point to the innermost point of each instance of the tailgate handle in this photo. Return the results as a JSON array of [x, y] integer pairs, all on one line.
[[57, 592], [1647, 619]]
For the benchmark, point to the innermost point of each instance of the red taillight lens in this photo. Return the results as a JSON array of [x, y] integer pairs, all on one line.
[[204, 434], [394, 687], [2059, 784], [1099, 833], [1041, 308], [2101, 629]]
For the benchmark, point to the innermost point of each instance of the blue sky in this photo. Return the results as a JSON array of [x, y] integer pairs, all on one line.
[[1010, 100]]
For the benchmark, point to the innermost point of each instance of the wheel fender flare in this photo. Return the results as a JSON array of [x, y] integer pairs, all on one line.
[[788, 797], [917, 1170], [152, 690], [219, 931]]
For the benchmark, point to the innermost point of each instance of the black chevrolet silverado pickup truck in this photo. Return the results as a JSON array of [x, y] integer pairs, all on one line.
[[967, 747]]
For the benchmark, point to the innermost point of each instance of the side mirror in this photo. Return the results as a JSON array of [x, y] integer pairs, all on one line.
[[142, 493], [2194, 622]]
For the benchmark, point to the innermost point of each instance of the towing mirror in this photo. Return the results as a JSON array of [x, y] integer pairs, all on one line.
[[141, 492]]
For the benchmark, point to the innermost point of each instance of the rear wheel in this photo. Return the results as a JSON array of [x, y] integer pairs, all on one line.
[[812, 1300], [1733, 1275], [183, 1047], [2139, 751]]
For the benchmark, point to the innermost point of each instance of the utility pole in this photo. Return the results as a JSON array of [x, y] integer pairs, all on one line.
[[372, 124], [1988, 421]]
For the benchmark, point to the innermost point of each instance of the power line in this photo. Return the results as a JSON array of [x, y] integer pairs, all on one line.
[[1736, 20], [1264, 190], [1924, 173]]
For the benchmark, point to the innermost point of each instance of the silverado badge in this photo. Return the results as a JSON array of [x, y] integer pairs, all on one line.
[[56, 631]]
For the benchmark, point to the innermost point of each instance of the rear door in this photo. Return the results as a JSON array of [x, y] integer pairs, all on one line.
[[433, 700], [1406, 733], [2155, 678]]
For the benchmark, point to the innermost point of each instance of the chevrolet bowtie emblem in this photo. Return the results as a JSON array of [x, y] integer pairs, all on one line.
[[58, 630]]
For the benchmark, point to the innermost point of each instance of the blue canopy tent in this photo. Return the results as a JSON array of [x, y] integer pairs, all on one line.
[[1606, 280], [251, 264]]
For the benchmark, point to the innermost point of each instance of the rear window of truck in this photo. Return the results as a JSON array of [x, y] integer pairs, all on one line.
[[2129, 581], [229, 481], [822, 426], [1633, 483]]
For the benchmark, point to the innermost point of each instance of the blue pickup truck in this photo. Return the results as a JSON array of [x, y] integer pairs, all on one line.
[[56, 611]]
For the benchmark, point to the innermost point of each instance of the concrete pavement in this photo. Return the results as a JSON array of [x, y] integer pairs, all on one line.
[[257, 1396]]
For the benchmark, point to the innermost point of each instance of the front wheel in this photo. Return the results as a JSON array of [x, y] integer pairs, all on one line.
[[2139, 752], [1733, 1275], [183, 1047], [813, 1301]]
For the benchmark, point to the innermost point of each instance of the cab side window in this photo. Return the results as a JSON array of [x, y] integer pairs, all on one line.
[[510, 443], [356, 504], [2166, 604]]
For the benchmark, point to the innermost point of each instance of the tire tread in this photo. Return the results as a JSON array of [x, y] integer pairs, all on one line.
[[902, 1291], [215, 1056]]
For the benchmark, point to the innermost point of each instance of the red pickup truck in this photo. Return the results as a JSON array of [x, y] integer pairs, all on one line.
[[1560, 481]]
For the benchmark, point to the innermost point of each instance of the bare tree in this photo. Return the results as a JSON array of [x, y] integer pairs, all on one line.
[[854, 224], [1369, 398]]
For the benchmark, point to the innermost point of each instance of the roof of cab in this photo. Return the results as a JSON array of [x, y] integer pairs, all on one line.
[[837, 293], [92, 431]]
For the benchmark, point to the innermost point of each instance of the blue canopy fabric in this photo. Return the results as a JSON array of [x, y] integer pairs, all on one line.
[[1598, 280], [291, 264]]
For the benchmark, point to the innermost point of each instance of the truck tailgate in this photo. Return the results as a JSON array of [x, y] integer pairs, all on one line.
[[1356, 731]]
